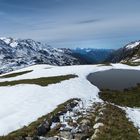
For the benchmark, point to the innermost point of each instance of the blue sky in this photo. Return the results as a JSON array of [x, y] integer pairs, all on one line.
[[72, 23]]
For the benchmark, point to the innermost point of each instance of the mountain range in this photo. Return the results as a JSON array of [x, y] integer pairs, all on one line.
[[91, 55], [19, 53], [15, 54]]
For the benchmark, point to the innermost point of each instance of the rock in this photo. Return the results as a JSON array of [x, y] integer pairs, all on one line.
[[42, 138], [84, 137], [55, 119], [20, 138], [101, 114], [97, 125], [50, 138], [63, 125], [57, 126], [89, 117], [73, 124], [54, 138], [35, 138], [94, 136], [67, 129], [67, 135], [81, 136], [68, 119], [29, 138], [73, 104], [85, 121], [97, 119], [102, 109], [139, 130], [43, 128]]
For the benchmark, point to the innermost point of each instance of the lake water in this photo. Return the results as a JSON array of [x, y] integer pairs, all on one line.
[[115, 79]]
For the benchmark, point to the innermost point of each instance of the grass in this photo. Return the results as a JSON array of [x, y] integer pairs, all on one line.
[[128, 97], [15, 74], [43, 81], [31, 130], [131, 63], [117, 126]]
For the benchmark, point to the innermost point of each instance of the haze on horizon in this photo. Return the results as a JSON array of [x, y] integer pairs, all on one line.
[[72, 23]]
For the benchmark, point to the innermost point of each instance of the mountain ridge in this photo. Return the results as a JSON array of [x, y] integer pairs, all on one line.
[[15, 54], [130, 53], [20, 53]]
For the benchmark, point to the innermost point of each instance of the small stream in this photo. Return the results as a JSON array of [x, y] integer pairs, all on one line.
[[115, 79]]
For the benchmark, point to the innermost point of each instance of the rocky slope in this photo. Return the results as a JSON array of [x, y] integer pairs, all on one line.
[[128, 54], [15, 54]]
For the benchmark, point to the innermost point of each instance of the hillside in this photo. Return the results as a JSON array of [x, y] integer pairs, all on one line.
[[128, 54]]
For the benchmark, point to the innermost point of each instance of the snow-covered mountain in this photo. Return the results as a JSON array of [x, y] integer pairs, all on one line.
[[128, 54], [18, 53]]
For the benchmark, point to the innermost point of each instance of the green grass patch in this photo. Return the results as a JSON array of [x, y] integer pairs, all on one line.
[[31, 130], [117, 126], [43, 81], [127, 97], [15, 74]]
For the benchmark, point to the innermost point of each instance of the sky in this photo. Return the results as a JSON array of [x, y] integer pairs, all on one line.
[[72, 23]]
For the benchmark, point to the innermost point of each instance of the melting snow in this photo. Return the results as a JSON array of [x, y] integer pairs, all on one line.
[[23, 104]]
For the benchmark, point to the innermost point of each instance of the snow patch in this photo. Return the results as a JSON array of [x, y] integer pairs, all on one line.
[[134, 115], [9, 41], [18, 101], [132, 45]]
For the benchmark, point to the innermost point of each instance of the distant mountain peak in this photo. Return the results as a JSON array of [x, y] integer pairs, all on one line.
[[9, 41]]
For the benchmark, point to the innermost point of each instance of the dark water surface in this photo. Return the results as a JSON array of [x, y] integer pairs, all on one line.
[[115, 79]]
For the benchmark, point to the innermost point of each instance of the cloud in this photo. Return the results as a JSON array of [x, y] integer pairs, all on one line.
[[89, 21]]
